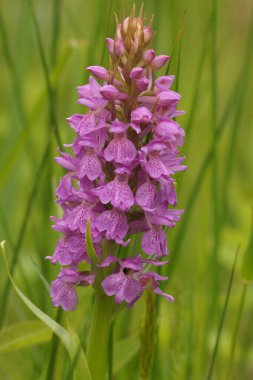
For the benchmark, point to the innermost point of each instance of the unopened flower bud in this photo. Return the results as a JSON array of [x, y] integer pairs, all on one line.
[[149, 56], [136, 44], [125, 25], [98, 71], [110, 92], [160, 61], [136, 73], [110, 45], [143, 84], [119, 47], [147, 34]]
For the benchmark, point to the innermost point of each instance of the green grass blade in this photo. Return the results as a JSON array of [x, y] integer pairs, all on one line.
[[110, 352], [22, 335], [18, 143], [235, 130], [68, 338], [18, 245], [54, 326], [224, 311], [56, 24], [79, 362], [247, 262], [233, 99], [236, 332], [12, 68], [198, 183], [124, 351], [51, 96], [54, 345]]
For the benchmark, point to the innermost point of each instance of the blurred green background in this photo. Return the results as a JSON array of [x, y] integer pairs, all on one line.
[[45, 47]]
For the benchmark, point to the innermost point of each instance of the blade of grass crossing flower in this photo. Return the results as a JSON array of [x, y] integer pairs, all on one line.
[[68, 339], [221, 324], [90, 248], [54, 326]]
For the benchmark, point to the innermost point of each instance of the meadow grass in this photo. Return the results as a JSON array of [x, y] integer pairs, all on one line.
[[206, 333]]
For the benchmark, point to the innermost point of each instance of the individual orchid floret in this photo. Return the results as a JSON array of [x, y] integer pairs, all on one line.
[[157, 161], [139, 116], [136, 73], [78, 216], [154, 242], [90, 96], [63, 290], [67, 162], [126, 283], [70, 249], [113, 223], [145, 194], [90, 164], [118, 192], [151, 280], [163, 83], [170, 133], [120, 149]]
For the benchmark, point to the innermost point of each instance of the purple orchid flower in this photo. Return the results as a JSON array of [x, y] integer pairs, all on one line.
[[63, 290], [120, 172], [126, 282]]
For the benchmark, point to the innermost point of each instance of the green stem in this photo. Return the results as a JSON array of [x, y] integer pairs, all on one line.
[[97, 351], [236, 331]]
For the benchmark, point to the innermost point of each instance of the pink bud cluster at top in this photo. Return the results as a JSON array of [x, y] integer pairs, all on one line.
[[120, 175]]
